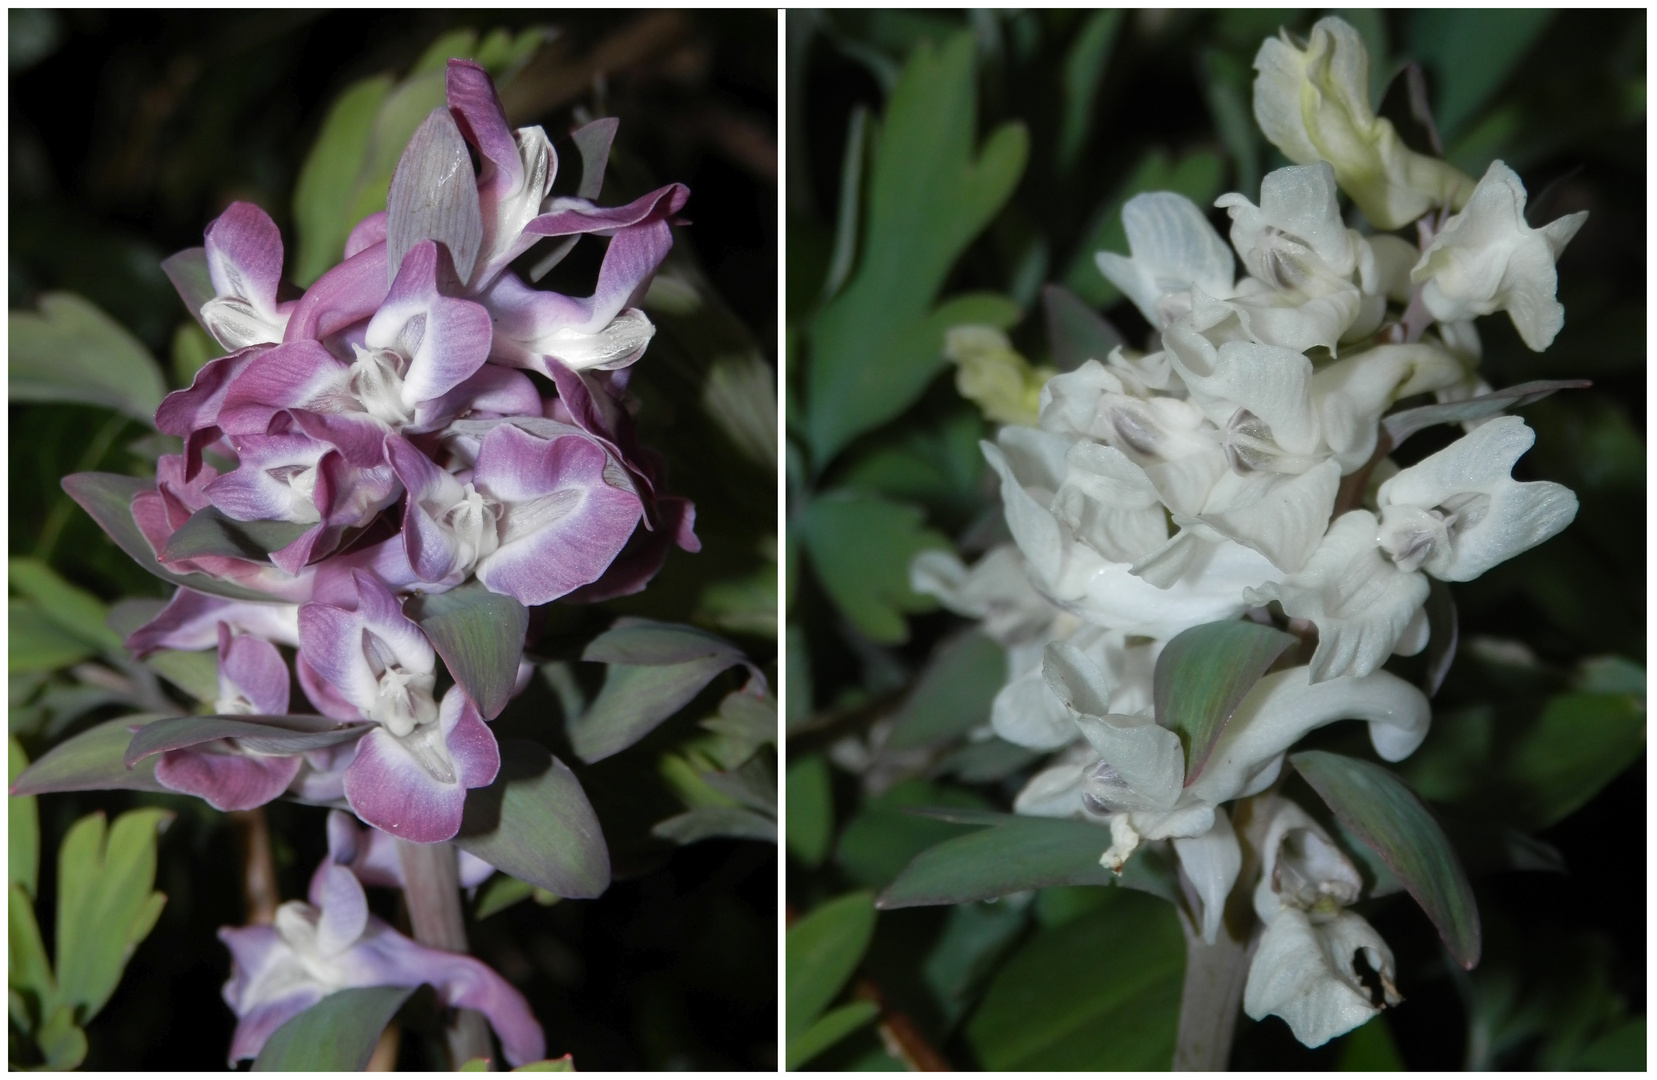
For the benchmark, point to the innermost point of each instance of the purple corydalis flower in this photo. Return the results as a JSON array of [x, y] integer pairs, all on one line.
[[253, 681], [411, 774], [190, 622], [539, 517], [231, 284], [371, 855]]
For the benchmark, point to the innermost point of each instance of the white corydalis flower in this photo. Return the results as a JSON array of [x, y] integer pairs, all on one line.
[[1487, 259]]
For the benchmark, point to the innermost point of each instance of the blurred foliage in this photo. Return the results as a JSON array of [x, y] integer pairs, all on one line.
[[128, 133], [1041, 125]]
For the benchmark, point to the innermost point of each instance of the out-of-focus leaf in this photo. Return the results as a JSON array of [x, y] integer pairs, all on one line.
[[561, 1064], [261, 734], [745, 605], [480, 636], [196, 673], [1388, 817], [331, 178], [1465, 78], [798, 690], [829, 1029], [844, 255], [707, 822], [1610, 675], [953, 693], [1196, 176], [192, 348], [974, 938], [1101, 991], [741, 397], [105, 903], [1580, 743], [1084, 69], [1444, 634], [91, 761], [337, 1034], [655, 669], [22, 825], [810, 816], [1371, 1048], [1203, 674], [1623, 1049], [108, 498], [35, 642], [535, 823], [27, 967], [877, 344], [72, 351], [878, 842], [211, 532], [983, 761], [938, 467], [1075, 332], [62, 1040], [499, 893], [823, 949], [861, 547], [1401, 425], [1034, 853], [75, 610], [1228, 84]]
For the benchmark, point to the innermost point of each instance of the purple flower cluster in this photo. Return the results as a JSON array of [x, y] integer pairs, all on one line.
[[418, 418]]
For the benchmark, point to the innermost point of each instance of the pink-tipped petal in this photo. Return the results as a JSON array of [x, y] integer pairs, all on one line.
[[478, 113], [190, 623], [252, 668], [244, 255], [446, 339], [293, 375], [365, 234], [226, 779], [415, 788]]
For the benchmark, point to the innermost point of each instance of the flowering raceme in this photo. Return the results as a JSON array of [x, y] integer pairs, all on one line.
[[419, 422], [1240, 468]]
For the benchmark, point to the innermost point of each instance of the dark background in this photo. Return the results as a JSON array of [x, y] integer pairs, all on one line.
[[129, 132]]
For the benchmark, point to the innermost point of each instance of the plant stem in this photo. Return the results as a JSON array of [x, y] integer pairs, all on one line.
[[259, 889], [432, 872], [1212, 996]]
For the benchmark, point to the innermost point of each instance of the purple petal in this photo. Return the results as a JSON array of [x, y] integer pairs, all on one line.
[[226, 779], [344, 908], [434, 196], [564, 523], [244, 255], [481, 120], [576, 216], [293, 375], [321, 780], [446, 340], [386, 562], [432, 549], [254, 952], [390, 788], [260, 489], [251, 667], [331, 640], [190, 621], [645, 553], [365, 234], [184, 412], [348, 293], [321, 693], [491, 391]]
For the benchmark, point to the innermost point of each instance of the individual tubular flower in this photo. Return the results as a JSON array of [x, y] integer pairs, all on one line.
[[1173, 249], [1487, 259], [540, 516], [333, 943], [411, 774], [253, 681], [1305, 968], [1459, 512], [992, 375], [1313, 104], [190, 622], [242, 264]]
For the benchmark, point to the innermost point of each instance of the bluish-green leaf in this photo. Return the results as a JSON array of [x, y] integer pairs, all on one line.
[[1075, 332], [535, 823], [91, 761], [261, 734], [72, 351], [1101, 991], [337, 1034], [1579, 744], [953, 693], [647, 642], [829, 1029], [1083, 71], [105, 903], [210, 532], [480, 636], [878, 842], [810, 816], [860, 548], [1031, 853], [1386, 815], [711, 822], [1465, 77], [1202, 676], [499, 893], [108, 498], [822, 950]]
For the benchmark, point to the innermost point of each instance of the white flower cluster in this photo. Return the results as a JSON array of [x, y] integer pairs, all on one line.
[[1241, 465]]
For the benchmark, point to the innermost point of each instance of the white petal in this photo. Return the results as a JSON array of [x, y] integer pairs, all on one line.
[[1300, 866], [1297, 228], [1282, 517], [1211, 862], [1027, 713], [1272, 383], [1145, 761], [1306, 974], [1109, 503], [1360, 601], [1173, 247]]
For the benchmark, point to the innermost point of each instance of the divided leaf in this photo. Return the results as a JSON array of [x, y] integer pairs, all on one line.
[[1202, 676], [1388, 817]]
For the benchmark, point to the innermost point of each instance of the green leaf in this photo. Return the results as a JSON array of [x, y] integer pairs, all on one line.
[[1623, 1049], [829, 1029], [210, 532], [535, 823], [72, 351], [331, 178], [953, 694], [878, 842], [822, 950], [62, 1040], [108, 498], [91, 761], [810, 816], [861, 547], [562, 1064], [27, 967], [1401, 425], [1579, 744], [1202, 676], [1196, 176], [1084, 69], [1075, 332], [1383, 813], [480, 636], [710, 822], [974, 939], [844, 254], [105, 903], [1034, 853], [1101, 991], [73, 609], [1371, 1048], [646, 642], [193, 347], [23, 825], [499, 893], [337, 1034], [196, 673], [929, 196], [1465, 78], [260, 734], [37, 643]]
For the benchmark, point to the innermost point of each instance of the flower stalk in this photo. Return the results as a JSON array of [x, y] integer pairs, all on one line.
[[432, 892]]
